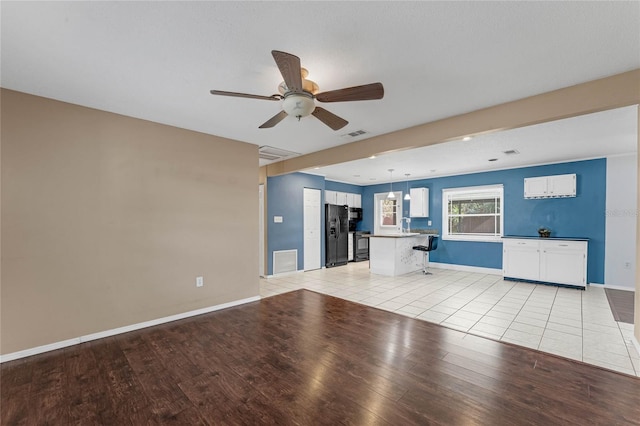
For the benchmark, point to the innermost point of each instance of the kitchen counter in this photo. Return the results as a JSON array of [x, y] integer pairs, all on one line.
[[403, 235], [393, 254], [545, 238]]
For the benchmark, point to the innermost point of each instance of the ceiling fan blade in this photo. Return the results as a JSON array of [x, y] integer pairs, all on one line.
[[368, 92], [273, 120], [329, 118], [289, 66], [246, 95]]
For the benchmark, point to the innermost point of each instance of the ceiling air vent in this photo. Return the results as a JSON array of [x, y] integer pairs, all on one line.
[[272, 154], [511, 152], [354, 134]]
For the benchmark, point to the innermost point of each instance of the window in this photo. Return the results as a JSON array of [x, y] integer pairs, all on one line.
[[473, 213], [388, 212]]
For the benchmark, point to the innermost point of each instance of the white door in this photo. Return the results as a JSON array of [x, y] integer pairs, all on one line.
[[261, 230], [388, 214], [312, 228]]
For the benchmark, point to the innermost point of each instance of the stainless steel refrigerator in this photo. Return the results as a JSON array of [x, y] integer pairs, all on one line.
[[337, 235]]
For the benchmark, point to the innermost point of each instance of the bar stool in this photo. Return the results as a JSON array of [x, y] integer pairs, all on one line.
[[432, 244]]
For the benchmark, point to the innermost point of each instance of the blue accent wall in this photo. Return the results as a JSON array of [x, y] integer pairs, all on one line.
[[579, 217], [342, 187], [285, 198]]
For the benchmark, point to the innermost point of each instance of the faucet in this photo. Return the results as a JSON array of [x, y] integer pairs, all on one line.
[[408, 220]]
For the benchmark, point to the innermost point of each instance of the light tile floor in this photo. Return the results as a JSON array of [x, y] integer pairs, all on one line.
[[571, 323]]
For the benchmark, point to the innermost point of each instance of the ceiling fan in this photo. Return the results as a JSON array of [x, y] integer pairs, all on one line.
[[298, 94]]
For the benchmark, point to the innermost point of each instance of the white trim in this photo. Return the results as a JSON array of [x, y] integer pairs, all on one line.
[[107, 333], [284, 274], [465, 268], [496, 190]]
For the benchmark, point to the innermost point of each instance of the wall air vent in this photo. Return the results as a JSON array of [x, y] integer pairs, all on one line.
[[285, 261], [511, 152], [274, 154]]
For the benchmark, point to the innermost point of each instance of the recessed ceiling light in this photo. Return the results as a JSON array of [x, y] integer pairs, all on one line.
[[493, 159], [372, 157], [466, 138], [316, 168]]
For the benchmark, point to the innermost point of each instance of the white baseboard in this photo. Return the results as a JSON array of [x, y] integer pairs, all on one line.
[[284, 274], [465, 268], [107, 333]]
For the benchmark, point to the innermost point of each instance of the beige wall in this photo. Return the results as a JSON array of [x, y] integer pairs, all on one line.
[[107, 220]]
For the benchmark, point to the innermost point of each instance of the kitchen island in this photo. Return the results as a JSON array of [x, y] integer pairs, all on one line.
[[393, 254]]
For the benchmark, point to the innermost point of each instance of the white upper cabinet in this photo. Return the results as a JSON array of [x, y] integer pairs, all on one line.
[[535, 187], [330, 197], [550, 186], [351, 200], [342, 198], [357, 201], [562, 186], [419, 204]]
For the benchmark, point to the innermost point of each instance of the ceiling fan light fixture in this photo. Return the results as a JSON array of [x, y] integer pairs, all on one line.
[[298, 104], [299, 94], [307, 85]]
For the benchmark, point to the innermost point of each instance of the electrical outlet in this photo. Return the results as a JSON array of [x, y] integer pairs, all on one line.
[[428, 223], [199, 281]]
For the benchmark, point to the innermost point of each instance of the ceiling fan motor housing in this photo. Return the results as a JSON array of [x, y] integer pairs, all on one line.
[[298, 104]]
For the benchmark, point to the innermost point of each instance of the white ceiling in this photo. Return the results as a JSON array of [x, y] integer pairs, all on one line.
[[158, 60], [602, 134]]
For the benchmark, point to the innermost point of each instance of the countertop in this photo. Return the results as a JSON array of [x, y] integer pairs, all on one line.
[[403, 235], [545, 238], [398, 235]]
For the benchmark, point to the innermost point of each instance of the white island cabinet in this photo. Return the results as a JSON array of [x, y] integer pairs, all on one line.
[[394, 255], [547, 260]]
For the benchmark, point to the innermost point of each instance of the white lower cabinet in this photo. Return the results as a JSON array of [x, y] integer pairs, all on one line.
[[553, 261], [521, 259]]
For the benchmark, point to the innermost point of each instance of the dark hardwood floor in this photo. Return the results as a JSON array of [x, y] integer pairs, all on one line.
[[309, 359]]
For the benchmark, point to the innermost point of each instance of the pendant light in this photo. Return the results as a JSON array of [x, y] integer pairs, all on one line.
[[407, 196], [391, 195]]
